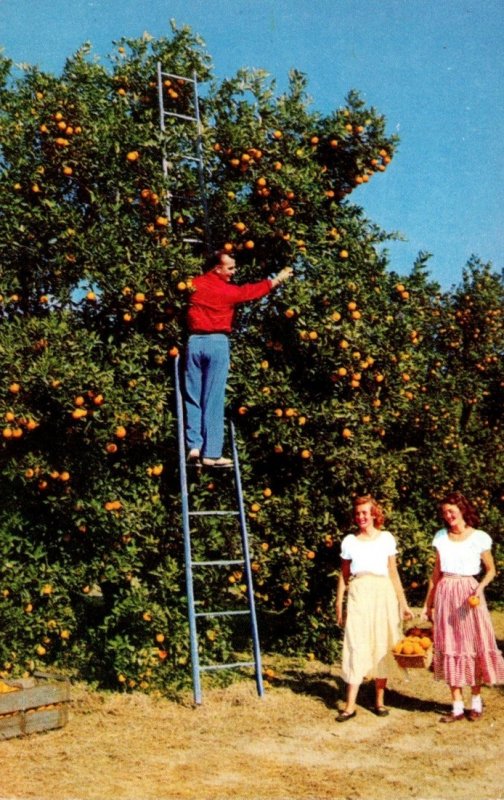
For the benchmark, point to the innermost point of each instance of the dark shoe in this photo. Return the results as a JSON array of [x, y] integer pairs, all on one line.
[[343, 716], [381, 711], [473, 715], [218, 462], [451, 717]]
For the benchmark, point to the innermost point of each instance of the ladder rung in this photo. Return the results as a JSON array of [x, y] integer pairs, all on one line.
[[213, 513], [222, 613], [187, 157], [217, 563], [195, 200], [180, 77], [234, 665], [180, 116]]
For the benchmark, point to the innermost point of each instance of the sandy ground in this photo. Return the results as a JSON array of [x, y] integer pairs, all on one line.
[[285, 746]]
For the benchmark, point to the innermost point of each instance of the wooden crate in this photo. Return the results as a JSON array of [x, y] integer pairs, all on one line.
[[34, 707]]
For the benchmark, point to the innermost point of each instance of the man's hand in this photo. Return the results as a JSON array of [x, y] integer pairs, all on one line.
[[282, 276]]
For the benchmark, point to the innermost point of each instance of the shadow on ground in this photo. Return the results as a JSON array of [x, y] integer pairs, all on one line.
[[331, 689]]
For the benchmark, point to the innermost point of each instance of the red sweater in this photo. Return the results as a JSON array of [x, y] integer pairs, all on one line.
[[212, 302]]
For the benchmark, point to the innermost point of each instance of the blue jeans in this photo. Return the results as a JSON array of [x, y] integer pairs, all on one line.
[[206, 371]]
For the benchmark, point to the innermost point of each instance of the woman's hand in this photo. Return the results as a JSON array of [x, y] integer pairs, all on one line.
[[406, 612], [427, 614]]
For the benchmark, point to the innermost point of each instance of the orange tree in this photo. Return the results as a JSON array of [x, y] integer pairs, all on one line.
[[349, 379]]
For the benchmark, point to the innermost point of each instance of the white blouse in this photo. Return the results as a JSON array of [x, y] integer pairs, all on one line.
[[369, 555], [464, 557]]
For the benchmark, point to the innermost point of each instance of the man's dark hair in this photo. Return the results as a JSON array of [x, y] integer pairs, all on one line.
[[213, 260]]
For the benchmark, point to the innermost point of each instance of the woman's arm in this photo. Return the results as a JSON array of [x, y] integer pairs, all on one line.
[[406, 612], [490, 572], [343, 579], [428, 606]]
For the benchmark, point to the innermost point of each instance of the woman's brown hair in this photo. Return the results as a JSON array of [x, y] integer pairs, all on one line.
[[467, 510], [376, 510]]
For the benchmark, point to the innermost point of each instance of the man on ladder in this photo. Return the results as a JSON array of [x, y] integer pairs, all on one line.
[[209, 320]]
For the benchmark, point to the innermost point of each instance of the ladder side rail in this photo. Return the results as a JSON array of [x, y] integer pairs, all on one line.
[[162, 125], [160, 97], [193, 634], [246, 559], [199, 150]]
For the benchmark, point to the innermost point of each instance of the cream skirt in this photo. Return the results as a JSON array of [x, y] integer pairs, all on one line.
[[372, 628]]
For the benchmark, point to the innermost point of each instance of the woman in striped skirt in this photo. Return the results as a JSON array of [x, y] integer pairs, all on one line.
[[465, 649]]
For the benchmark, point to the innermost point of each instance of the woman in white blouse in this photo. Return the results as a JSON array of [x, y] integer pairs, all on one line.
[[375, 605], [465, 650]]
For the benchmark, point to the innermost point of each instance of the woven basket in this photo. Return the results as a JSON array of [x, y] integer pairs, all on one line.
[[414, 661]]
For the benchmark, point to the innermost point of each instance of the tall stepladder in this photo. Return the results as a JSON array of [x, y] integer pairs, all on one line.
[[191, 151]]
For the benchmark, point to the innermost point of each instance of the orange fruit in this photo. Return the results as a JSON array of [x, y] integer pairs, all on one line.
[[473, 600], [120, 432], [15, 388], [133, 155]]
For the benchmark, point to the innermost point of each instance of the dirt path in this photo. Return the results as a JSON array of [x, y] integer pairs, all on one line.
[[285, 746]]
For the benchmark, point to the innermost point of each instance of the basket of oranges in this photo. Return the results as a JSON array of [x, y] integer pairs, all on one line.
[[414, 650]]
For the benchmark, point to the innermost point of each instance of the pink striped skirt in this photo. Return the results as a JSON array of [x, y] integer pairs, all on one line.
[[465, 649]]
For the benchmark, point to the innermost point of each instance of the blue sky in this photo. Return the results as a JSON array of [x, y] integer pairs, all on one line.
[[434, 68]]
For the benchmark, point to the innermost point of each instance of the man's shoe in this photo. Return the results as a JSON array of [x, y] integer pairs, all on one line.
[[452, 717], [218, 462], [193, 456]]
